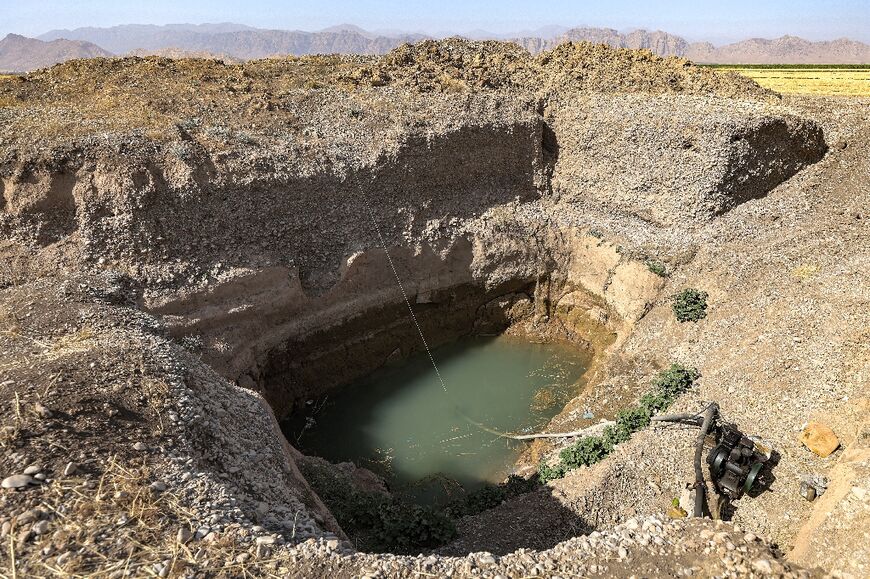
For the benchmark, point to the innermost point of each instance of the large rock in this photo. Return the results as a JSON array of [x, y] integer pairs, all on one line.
[[17, 481], [820, 439]]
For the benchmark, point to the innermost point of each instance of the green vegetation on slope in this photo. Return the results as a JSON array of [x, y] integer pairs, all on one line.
[[690, 305], [667, 386]]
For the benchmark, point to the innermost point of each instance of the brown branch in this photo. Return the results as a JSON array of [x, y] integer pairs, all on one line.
[[583, 432]]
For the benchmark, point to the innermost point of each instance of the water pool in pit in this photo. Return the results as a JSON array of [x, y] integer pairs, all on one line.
[[400, 423]]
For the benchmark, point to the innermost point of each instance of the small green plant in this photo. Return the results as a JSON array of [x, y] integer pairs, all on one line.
[[675, 380], [379, 522], [408, 528], [596, 233], [690, 305], [633, 419], [586, 451], [548, 472], [668, 385], [657, 268], [491, 496], [478, 501]]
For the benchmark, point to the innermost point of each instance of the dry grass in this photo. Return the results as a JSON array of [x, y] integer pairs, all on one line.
[[72, 343], [805, 271], [811, 81], [144, 536], [66, 345]]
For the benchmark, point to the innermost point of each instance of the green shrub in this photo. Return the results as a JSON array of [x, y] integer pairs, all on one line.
[[491, 496], [633, 419], [408, 528], [657, 268], [517, 485], [654, 402], [628, 422], [690, 305], [675, 380], [668, 384], [547, 472], [586, 451], [614, 435], [378, 522], [478, 501]]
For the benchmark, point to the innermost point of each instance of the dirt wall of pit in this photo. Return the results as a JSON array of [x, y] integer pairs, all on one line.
[[273, 258]]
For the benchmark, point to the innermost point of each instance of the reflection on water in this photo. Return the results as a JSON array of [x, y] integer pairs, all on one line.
[[401, 424]]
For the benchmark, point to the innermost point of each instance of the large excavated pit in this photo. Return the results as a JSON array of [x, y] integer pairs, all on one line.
[[479, 227], [286, 263]]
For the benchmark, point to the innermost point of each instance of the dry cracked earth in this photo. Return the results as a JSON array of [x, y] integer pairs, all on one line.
[[190, 249]]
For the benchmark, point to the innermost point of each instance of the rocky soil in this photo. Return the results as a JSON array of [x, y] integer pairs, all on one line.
[[191, 248]]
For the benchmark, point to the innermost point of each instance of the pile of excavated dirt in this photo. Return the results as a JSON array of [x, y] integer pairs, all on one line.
[[583, 66], [456, 65], [83, 98], [189, 250], [452, 65]]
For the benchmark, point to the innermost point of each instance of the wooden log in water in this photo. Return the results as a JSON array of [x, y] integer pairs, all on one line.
[[595, 429]]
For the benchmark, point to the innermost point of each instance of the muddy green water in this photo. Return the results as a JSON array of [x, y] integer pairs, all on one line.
[[400, 423]]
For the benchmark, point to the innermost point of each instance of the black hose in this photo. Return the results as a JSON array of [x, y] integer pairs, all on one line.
[[700, 486]]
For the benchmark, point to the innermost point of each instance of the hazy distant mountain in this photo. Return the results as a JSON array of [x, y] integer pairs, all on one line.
[[544, 33], [178, 53], [659, 42], [127, 37], [785, 50], [237, 41], [358, 30], [234, 39], [20, 54]]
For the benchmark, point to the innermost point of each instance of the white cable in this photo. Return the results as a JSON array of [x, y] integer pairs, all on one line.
[[401, 287]]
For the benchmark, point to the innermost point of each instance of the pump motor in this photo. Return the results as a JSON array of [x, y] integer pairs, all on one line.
[[736, 461]]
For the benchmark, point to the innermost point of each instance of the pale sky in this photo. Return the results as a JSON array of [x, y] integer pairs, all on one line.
[[718, 21]]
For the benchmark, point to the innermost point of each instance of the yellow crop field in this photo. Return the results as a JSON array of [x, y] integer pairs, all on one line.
[[811, 81]]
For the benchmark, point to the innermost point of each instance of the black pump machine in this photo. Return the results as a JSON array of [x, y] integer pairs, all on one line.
[[735, 462]]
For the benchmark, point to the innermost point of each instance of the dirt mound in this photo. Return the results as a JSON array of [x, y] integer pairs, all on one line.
[[452, 65], [86, 97], [588, 67], [457, 65]]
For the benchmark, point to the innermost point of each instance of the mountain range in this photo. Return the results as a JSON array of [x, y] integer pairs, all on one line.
[[784, 50], [237, 41], [18, 53]]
